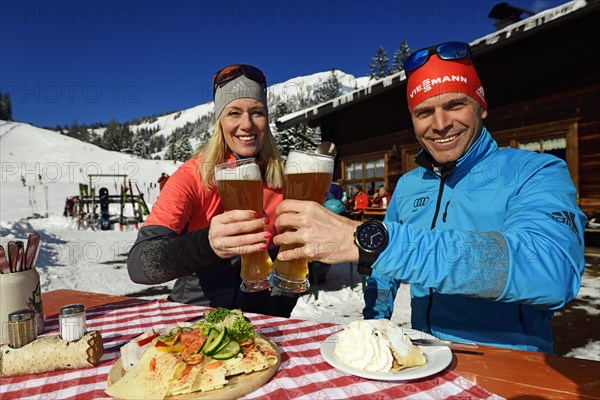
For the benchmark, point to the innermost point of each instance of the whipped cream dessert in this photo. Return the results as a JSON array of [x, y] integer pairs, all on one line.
[[377, 345]]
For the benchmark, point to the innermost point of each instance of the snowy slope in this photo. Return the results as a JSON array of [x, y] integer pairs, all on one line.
[[63, 163], [285, 90]]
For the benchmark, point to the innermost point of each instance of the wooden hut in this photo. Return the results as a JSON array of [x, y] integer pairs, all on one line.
[[543, 91]]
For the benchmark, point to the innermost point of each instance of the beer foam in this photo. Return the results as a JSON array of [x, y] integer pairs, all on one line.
[[304, 163], [244, 172]]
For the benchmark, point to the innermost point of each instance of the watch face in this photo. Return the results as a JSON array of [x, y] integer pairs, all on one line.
[[372, 236]]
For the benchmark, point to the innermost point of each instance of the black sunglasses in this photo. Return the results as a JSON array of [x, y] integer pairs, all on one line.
[[445, 51], [233, 71]]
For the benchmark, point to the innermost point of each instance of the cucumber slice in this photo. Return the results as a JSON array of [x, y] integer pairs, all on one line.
[[228, 351], [224, 343], [213, 341]]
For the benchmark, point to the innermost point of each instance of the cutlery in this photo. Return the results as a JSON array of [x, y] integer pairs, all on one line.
[[441, 342], [4, 267], [32, 251], [13, 251]]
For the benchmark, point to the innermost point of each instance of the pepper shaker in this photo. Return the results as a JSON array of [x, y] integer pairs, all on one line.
[[72, 322], [21, 328]]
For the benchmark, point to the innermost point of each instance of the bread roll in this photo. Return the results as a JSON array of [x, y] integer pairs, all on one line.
[[51, 353]]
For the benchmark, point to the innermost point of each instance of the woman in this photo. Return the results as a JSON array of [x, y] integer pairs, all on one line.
[[189, 236], [382, 197]]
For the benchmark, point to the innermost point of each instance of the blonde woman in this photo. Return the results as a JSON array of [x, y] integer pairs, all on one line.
[[188, 236]]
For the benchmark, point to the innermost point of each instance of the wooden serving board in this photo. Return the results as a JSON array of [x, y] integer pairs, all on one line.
[[236, 387]]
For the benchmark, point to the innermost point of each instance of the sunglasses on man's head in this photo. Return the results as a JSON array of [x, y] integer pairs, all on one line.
[[445, 51], [233, 71]]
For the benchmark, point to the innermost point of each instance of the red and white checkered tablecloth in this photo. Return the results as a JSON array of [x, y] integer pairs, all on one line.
[[303, 373]]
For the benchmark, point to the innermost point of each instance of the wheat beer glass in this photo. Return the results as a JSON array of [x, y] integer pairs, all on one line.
[[307, 177], [241, 188]]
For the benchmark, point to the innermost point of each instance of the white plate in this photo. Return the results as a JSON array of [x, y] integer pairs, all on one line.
[[438, 358]]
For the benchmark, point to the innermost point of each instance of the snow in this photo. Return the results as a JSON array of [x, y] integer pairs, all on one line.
[[291, 88], [95, 261], [532, 22]]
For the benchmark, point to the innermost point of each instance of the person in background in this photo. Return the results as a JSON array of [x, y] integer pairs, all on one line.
[[336, 190], [371, 191], [188, 236], [381, 198], [489, 258], [162, 180], [361, 200]]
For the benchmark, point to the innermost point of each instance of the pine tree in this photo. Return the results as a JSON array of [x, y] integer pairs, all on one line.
[[139, 144], [111, 140], [330, 89], [73, 129], [284, 138], [171, 147], [400, 57], [308, 138], [157, 143], [379, 64], [183, 148], [5, 107], [126, 137]]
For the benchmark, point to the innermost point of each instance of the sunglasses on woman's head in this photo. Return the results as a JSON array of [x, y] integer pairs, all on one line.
[[445, 51], [231, 72]]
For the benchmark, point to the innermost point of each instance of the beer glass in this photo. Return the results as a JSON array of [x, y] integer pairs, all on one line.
[[307, 177], [241, 188]]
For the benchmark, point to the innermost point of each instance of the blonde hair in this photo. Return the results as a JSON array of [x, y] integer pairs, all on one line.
[[213, 153]]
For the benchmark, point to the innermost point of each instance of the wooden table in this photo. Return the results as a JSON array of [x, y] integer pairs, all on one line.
[[507, 373], [377, 213]]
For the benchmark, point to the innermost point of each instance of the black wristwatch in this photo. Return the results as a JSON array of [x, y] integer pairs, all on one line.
[[371, 237]]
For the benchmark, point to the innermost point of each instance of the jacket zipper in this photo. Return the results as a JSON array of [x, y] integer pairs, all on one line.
[[445, 212], [437, 211]]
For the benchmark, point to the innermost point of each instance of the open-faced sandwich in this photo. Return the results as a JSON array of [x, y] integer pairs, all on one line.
[[192, 357], [377, 345]]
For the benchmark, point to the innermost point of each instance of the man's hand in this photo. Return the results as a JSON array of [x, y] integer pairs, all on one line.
[[237, 232], [315, 233]]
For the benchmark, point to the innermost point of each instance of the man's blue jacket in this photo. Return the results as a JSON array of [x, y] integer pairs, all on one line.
[[490, 247]]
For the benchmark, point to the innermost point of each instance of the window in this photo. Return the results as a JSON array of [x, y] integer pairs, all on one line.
[[556, 146], [368, 171], [557, 138]]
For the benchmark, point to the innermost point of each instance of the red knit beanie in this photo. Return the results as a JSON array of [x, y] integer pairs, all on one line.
[[439, 76]]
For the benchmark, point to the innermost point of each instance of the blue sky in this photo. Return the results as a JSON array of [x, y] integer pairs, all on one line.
[[92, 61]]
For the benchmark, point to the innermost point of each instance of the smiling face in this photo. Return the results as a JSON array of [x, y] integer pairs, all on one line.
[[447, 125], [245, 123]]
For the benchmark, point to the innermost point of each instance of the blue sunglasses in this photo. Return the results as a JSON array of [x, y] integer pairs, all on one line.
[[445, 51]]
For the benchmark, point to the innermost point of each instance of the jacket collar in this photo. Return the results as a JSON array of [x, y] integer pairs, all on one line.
[[483, 146]]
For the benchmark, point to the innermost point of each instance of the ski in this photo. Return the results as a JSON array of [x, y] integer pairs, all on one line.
[[121, 218], [32, 250], [104, 214], [142, 201], [93, 207], [83, 188], [135, 218], [4, 267]]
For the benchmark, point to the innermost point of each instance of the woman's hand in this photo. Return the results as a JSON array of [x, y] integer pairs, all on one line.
[[314, 233], [238, 232]]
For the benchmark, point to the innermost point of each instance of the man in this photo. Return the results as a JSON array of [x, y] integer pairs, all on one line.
[[490, 240], [361, 200], [162, 180]]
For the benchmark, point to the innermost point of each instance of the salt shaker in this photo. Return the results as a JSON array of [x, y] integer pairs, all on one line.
[[21, 328], [72, 322]]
